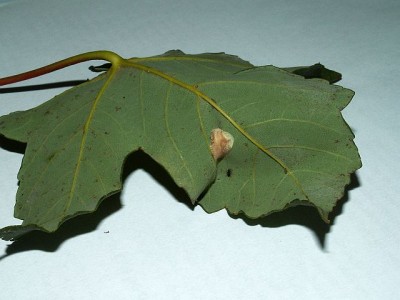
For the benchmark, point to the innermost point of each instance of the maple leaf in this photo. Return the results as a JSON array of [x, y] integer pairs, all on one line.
[[250, 139]]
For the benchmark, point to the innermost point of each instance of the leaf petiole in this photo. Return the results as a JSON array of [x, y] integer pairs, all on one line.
[[109, 56]]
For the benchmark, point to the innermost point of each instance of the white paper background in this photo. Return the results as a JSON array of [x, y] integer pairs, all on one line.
[[146, 243]]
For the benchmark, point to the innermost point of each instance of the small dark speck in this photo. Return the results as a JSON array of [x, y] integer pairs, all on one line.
[[229, 172], [107, 231]]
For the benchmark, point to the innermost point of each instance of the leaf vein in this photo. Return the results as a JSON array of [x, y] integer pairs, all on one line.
[[203, 131], [191, 58], [311, 149], [84, 138], [166, 101], [52, 131], [292, 120], [211, 102]]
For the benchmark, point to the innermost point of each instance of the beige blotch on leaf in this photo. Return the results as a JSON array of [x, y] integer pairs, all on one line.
[[221, 143]]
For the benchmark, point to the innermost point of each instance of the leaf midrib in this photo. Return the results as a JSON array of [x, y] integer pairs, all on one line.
[[111, 74], [194, 90], [196, 59]]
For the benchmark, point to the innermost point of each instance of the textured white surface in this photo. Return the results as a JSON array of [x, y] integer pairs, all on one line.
[[154, 246]]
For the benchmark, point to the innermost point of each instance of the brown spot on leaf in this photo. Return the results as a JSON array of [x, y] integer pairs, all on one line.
[[221, 143]]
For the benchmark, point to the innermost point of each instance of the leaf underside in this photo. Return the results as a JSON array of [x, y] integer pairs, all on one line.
[[291, 145]]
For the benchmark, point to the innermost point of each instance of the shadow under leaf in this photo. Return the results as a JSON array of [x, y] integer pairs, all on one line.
[[50, 242], [85, 223], [305, 216], [11, 145], [44, 86]]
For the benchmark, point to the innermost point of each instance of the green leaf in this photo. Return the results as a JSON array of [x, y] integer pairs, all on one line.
[[291, 144]]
